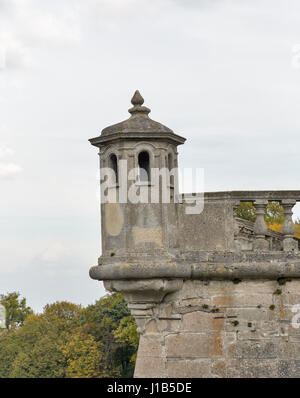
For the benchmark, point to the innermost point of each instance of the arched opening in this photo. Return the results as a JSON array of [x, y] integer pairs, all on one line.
[[170, 161], [113, 164], [144, 166], [170, 167]]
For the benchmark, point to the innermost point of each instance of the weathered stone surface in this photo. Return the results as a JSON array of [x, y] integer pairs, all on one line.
[[189, 368], [289, 369], [150, 346], [187, 345], [190, 345], [218, 368], [150, 366], [254, 349], [201, 321], [249, 368]]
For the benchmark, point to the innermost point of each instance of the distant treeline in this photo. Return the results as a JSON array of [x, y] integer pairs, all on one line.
[[67, 340]]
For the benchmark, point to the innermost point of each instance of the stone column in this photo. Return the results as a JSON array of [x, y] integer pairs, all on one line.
[[260, 226], [288, 227]]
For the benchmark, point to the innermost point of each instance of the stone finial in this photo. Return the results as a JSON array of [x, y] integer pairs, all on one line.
[[137, 101]]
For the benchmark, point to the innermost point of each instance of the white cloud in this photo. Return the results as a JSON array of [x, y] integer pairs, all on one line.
[[59, 259], [53, 260], [59, 26], [5, 151], [25, 26], [54, 253], [13, 53], [8, 169]]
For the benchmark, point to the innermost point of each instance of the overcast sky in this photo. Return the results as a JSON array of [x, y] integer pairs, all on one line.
[[224, 74]]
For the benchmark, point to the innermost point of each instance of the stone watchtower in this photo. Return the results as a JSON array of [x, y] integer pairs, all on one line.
[[213, 295]]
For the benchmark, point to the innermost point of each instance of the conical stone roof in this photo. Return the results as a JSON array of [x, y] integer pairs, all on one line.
[[139, 121], [138, 125]]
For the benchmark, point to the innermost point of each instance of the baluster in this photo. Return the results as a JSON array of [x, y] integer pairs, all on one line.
[[260, 226], [288, 227]]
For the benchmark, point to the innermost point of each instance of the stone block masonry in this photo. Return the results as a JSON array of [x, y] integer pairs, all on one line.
[[212, 331]]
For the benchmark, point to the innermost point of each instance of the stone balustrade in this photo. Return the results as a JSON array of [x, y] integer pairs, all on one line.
[[256, 236], [244, 236], [266, 239]]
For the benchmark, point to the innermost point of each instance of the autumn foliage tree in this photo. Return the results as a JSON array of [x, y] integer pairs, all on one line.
[[103, 320], [16, 309], [84, 356], [273, 212], [66, 340]]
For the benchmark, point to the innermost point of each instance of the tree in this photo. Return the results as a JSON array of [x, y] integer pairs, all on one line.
[[67, 316], [67, 340], [127, 334], [273, 212], [34, 349], [246, 211], [43, 360], [297, 225], [8, 351], [16, 309], [84, 356], [101, 320], [39, 341]]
